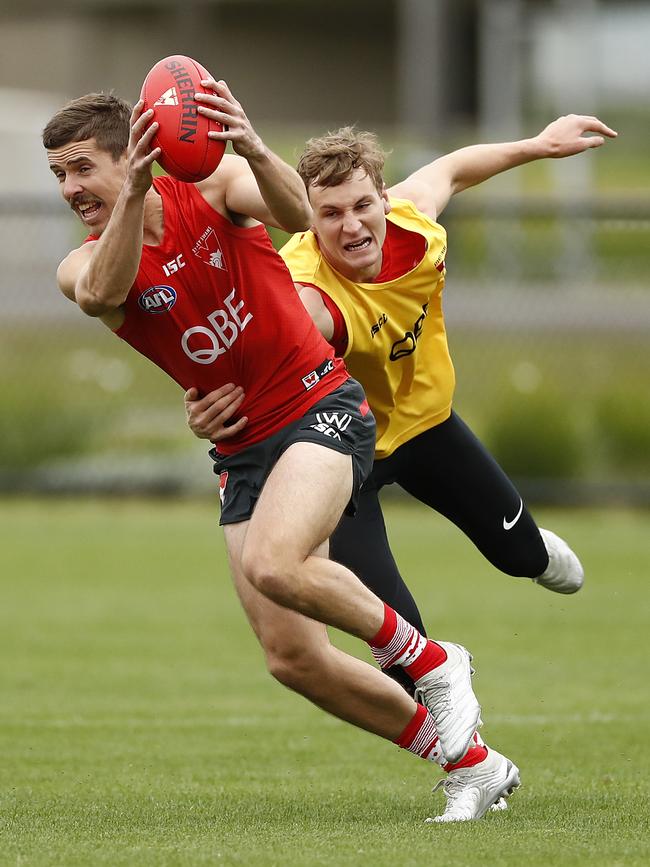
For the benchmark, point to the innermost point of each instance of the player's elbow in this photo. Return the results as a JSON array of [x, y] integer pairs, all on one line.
[[295, 226], [299, 221], [92, 303], [89, 308], [299, 217]]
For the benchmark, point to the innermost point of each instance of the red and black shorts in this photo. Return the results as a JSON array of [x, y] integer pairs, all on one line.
[[341, 421]]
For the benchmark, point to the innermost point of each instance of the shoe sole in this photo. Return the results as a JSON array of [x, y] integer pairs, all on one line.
[[565, 591]]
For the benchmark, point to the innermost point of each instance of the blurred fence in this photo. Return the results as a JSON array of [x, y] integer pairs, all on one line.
[[548, 311]]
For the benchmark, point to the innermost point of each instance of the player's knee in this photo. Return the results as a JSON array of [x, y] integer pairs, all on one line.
[[524, 563], [524, 555], [295, 668], [273, 577]]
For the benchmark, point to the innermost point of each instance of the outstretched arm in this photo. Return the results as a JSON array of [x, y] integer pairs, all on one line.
[[431, 187], [260, 185]]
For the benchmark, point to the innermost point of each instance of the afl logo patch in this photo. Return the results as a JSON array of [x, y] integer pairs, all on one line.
[[157, 299]]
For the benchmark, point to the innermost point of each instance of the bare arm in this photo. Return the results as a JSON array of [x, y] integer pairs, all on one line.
[[431, 187], [315, 306], [67, 277], [68, 272], [261, 185], [103, 283]]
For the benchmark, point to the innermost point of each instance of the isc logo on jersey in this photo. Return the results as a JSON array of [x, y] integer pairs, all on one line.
[[157, 299]]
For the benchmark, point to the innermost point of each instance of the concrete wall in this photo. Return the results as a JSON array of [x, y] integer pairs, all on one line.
[[322, 62]]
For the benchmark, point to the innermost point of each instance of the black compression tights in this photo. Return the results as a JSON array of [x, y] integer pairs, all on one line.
[[448, 469]]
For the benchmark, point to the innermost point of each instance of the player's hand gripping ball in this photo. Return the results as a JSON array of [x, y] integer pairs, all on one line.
[[186, 151]]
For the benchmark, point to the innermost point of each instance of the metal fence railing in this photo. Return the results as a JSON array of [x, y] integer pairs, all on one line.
[[548, 312]]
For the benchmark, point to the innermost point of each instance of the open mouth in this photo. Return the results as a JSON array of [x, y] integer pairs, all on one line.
[[87, 210], [357, 246]]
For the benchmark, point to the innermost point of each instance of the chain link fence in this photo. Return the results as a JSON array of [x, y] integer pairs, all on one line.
[[548, 312]]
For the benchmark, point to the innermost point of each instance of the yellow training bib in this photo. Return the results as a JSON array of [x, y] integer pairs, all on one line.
[[397, 344]]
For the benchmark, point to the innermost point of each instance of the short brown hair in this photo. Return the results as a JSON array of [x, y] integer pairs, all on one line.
[[330, 160], [102, 116]]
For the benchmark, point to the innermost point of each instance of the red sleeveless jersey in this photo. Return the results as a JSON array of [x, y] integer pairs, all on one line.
[[214, 303]]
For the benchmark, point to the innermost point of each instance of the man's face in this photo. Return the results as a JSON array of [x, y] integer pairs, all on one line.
[[350, 224], [89, 180]]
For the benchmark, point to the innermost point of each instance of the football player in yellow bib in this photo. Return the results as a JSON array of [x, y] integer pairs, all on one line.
[[371, 272]]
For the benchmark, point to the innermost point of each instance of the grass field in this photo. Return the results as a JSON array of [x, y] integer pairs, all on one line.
[[138, 726]]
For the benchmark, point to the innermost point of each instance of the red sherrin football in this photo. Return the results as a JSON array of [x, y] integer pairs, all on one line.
[[186, 151]]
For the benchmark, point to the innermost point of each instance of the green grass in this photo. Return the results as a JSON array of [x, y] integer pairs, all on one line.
[[138, 726]]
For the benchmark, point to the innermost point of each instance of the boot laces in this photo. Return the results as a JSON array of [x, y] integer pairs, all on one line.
[[455, 787], [436, 696]]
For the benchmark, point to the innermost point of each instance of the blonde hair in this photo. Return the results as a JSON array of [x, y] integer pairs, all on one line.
[[329, 160]]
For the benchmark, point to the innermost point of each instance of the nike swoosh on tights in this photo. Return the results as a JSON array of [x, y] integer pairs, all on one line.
[[508, 525]]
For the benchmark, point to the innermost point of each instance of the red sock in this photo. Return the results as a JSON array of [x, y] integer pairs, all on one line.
[[431, 657], [420, 737], [474, 756], [400, 643], [388, 628]]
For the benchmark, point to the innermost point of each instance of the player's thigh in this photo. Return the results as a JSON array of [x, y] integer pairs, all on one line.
[[355, 534], [283, 634], [448, 468], [452, 471], [301, 502]]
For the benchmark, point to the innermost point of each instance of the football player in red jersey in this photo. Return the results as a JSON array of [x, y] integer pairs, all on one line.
[[287, 474]]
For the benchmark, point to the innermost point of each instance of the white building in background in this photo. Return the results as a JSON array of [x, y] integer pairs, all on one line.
[[620, 36], [35, 226], [23, 114], [429, 67]]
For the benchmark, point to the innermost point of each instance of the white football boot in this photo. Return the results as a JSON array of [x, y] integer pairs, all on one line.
[[471, 792], [447, 693], [564, 573]]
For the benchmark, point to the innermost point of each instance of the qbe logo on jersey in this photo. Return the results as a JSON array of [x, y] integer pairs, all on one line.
[[207, 344], [157, 299]]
